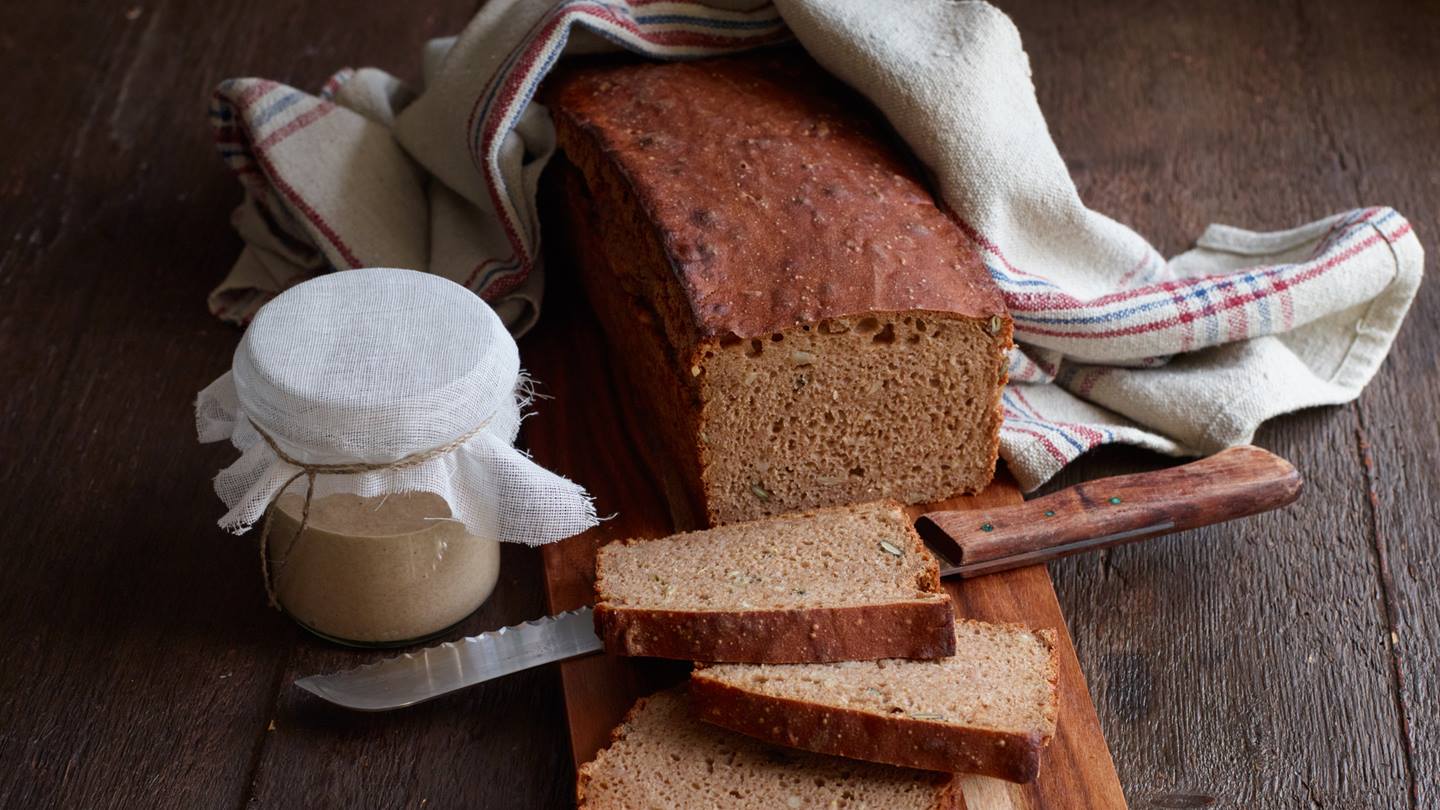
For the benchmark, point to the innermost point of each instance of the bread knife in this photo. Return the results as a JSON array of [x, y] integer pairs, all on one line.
[[415, 677], [1233, 483]]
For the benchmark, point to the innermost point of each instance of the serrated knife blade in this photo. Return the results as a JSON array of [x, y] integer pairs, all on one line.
[[429, 673]]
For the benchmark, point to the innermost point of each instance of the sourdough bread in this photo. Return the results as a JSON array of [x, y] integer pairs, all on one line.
[[806, 327], [663, 758], [988, 709], [846, 583]]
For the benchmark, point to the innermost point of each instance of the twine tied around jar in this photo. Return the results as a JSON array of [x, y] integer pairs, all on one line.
[[310, 471]]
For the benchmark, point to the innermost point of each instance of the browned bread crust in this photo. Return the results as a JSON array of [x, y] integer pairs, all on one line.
[[919, 624], [948, 796], [803, 159], [814, 635], [637, 340], [749, 232], [896, 740]]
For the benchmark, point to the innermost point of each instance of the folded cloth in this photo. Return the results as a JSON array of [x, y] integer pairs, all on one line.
[[1116, 344]]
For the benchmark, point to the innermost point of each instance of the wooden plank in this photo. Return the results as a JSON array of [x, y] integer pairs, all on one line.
[[136, 671], [467, 749], [1246, 665], [141, 667], [1383, 138], [591, 436]]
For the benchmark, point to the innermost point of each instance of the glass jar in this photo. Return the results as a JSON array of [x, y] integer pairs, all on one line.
[[378, 572], [384, 382]]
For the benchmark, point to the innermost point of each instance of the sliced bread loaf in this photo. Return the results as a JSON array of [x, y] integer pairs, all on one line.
[[802, 323], [662, 757], [847, 583], [989, 709]]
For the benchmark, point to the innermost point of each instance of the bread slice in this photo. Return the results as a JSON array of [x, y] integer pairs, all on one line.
[[662, 757], [801, 322], [839, 584], [989, 709]]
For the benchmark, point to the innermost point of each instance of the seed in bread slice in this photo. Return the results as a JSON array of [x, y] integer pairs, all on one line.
[[840, 584], [988, 709], [662, 757]]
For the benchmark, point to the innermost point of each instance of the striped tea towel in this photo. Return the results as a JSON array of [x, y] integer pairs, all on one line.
[[1185, 356]]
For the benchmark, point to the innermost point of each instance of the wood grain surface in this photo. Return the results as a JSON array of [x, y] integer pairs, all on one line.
[[1286, 661], [1254, 665]]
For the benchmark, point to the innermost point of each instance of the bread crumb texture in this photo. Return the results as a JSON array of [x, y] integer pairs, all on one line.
[[827, 558], [1001, 678], [664, 759], [889, 405]]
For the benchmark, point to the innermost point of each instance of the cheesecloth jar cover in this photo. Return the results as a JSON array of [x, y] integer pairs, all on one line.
[[375, 366]]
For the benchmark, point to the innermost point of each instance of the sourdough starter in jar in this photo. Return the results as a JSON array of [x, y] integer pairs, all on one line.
[[381, 571]]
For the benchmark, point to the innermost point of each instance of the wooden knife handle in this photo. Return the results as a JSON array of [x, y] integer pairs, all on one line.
[[1233, 483]]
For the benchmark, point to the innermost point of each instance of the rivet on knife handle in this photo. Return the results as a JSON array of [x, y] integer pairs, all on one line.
[[1231, 484]]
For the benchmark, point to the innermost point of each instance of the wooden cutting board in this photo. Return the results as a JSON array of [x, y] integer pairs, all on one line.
[[586, 431]]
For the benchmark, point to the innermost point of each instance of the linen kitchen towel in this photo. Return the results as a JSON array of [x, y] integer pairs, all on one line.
[[1117, 344]]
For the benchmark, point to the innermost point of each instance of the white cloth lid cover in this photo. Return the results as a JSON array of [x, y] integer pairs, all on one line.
[[373, 365]]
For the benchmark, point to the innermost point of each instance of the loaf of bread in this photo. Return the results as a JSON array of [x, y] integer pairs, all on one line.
[[838, 584], [662, 757], [802, 324], [988, 709]]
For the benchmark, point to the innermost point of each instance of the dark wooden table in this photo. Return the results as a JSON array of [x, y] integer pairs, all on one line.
[[1290, 661]]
